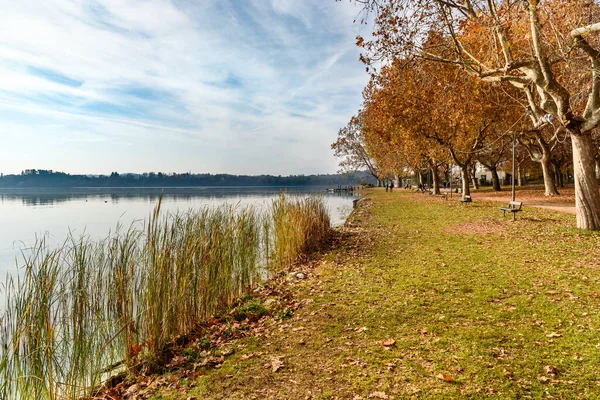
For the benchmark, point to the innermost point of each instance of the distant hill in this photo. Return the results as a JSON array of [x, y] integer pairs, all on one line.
[[49, 178]]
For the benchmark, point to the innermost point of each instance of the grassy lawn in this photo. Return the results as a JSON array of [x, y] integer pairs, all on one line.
[[428, 298]]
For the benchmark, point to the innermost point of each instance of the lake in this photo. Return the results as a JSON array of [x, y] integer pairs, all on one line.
[[29, 213]]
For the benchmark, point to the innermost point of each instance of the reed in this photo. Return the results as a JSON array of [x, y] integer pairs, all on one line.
[[76, 310], [299, 226]]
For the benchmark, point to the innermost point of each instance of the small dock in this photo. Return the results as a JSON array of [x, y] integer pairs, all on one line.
[[346, 189]]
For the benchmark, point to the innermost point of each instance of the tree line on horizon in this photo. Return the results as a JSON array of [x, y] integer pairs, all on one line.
[[49, 178], [454, 82]]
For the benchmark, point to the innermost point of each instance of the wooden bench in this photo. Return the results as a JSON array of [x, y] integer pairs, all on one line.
[[514, 207], [466, 199]]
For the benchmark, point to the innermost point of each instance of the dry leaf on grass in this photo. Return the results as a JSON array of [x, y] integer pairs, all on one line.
[[176, 361], [275, 364], [550, 370], [378, 395], [445, 378], [388, 342]]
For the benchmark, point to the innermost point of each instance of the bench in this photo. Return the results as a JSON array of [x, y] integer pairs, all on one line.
[[466, 199], [443, 196], [514, 207]]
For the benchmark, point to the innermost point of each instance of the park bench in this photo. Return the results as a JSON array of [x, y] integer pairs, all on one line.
[[466, 199], [443, 196], [514, 207]]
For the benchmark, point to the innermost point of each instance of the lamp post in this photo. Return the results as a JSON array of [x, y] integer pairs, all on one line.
[[513, 167]]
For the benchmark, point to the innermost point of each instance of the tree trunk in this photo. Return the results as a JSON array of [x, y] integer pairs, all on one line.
[[561, 176], [549, 183], [474, 178], [495, 179], [436, 180], [465, 181], [587, 197], [520, 176], [558, 176]]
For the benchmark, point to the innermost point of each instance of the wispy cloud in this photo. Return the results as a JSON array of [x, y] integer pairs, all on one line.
[[241, 86]]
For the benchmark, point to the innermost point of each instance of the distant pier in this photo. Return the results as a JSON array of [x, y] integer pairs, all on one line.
[[345, 189]]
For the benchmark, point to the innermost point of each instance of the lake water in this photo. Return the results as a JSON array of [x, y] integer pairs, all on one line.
[[29, 213]]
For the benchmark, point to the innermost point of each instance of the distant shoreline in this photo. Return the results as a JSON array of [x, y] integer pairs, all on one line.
[[50, 179]]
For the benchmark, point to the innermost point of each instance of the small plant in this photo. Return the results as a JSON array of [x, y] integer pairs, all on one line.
[[204, 343], [285, 314], [190, 353], [252, 309]]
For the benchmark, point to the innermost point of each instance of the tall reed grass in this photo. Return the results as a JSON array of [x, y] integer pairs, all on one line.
[[83, 307]]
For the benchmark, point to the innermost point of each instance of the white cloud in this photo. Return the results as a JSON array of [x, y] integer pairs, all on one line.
[[226, 86]]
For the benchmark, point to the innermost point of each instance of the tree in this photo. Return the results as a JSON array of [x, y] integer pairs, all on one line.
[[427, 106], [549, 51], [540, 148], [351, 148], [494, 156]]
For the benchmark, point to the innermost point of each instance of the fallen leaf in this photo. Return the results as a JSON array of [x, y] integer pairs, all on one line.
[[445, 378], [388, 342], [378, 395], [554, 335], [551, 370], [275, 364], [176, 361]]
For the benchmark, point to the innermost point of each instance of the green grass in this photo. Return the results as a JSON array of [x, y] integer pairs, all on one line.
[[80, 308], [498, 308]]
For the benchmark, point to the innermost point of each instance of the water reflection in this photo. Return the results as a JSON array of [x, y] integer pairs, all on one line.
[[29, 213], [45, 197]]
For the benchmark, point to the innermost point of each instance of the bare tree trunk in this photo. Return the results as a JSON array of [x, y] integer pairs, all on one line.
[[558, 175], [561, 176], [495, 179], [587, 197], [549, 183], [436, 180], [520, 176], [465, 181], [474, 178]]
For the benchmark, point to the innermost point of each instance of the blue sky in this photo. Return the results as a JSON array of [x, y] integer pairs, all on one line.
[[235, 86]]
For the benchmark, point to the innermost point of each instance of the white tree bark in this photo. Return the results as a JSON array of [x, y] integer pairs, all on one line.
[[549, 182], [587, 197]]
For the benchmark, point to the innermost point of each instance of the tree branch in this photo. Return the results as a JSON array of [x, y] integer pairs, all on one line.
[[558, 93], [592, 108]]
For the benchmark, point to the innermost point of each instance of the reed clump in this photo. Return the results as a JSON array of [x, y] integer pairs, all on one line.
[[299, 226], [76, 312]]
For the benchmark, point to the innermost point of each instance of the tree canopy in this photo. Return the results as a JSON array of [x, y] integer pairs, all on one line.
[[467, 73]]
